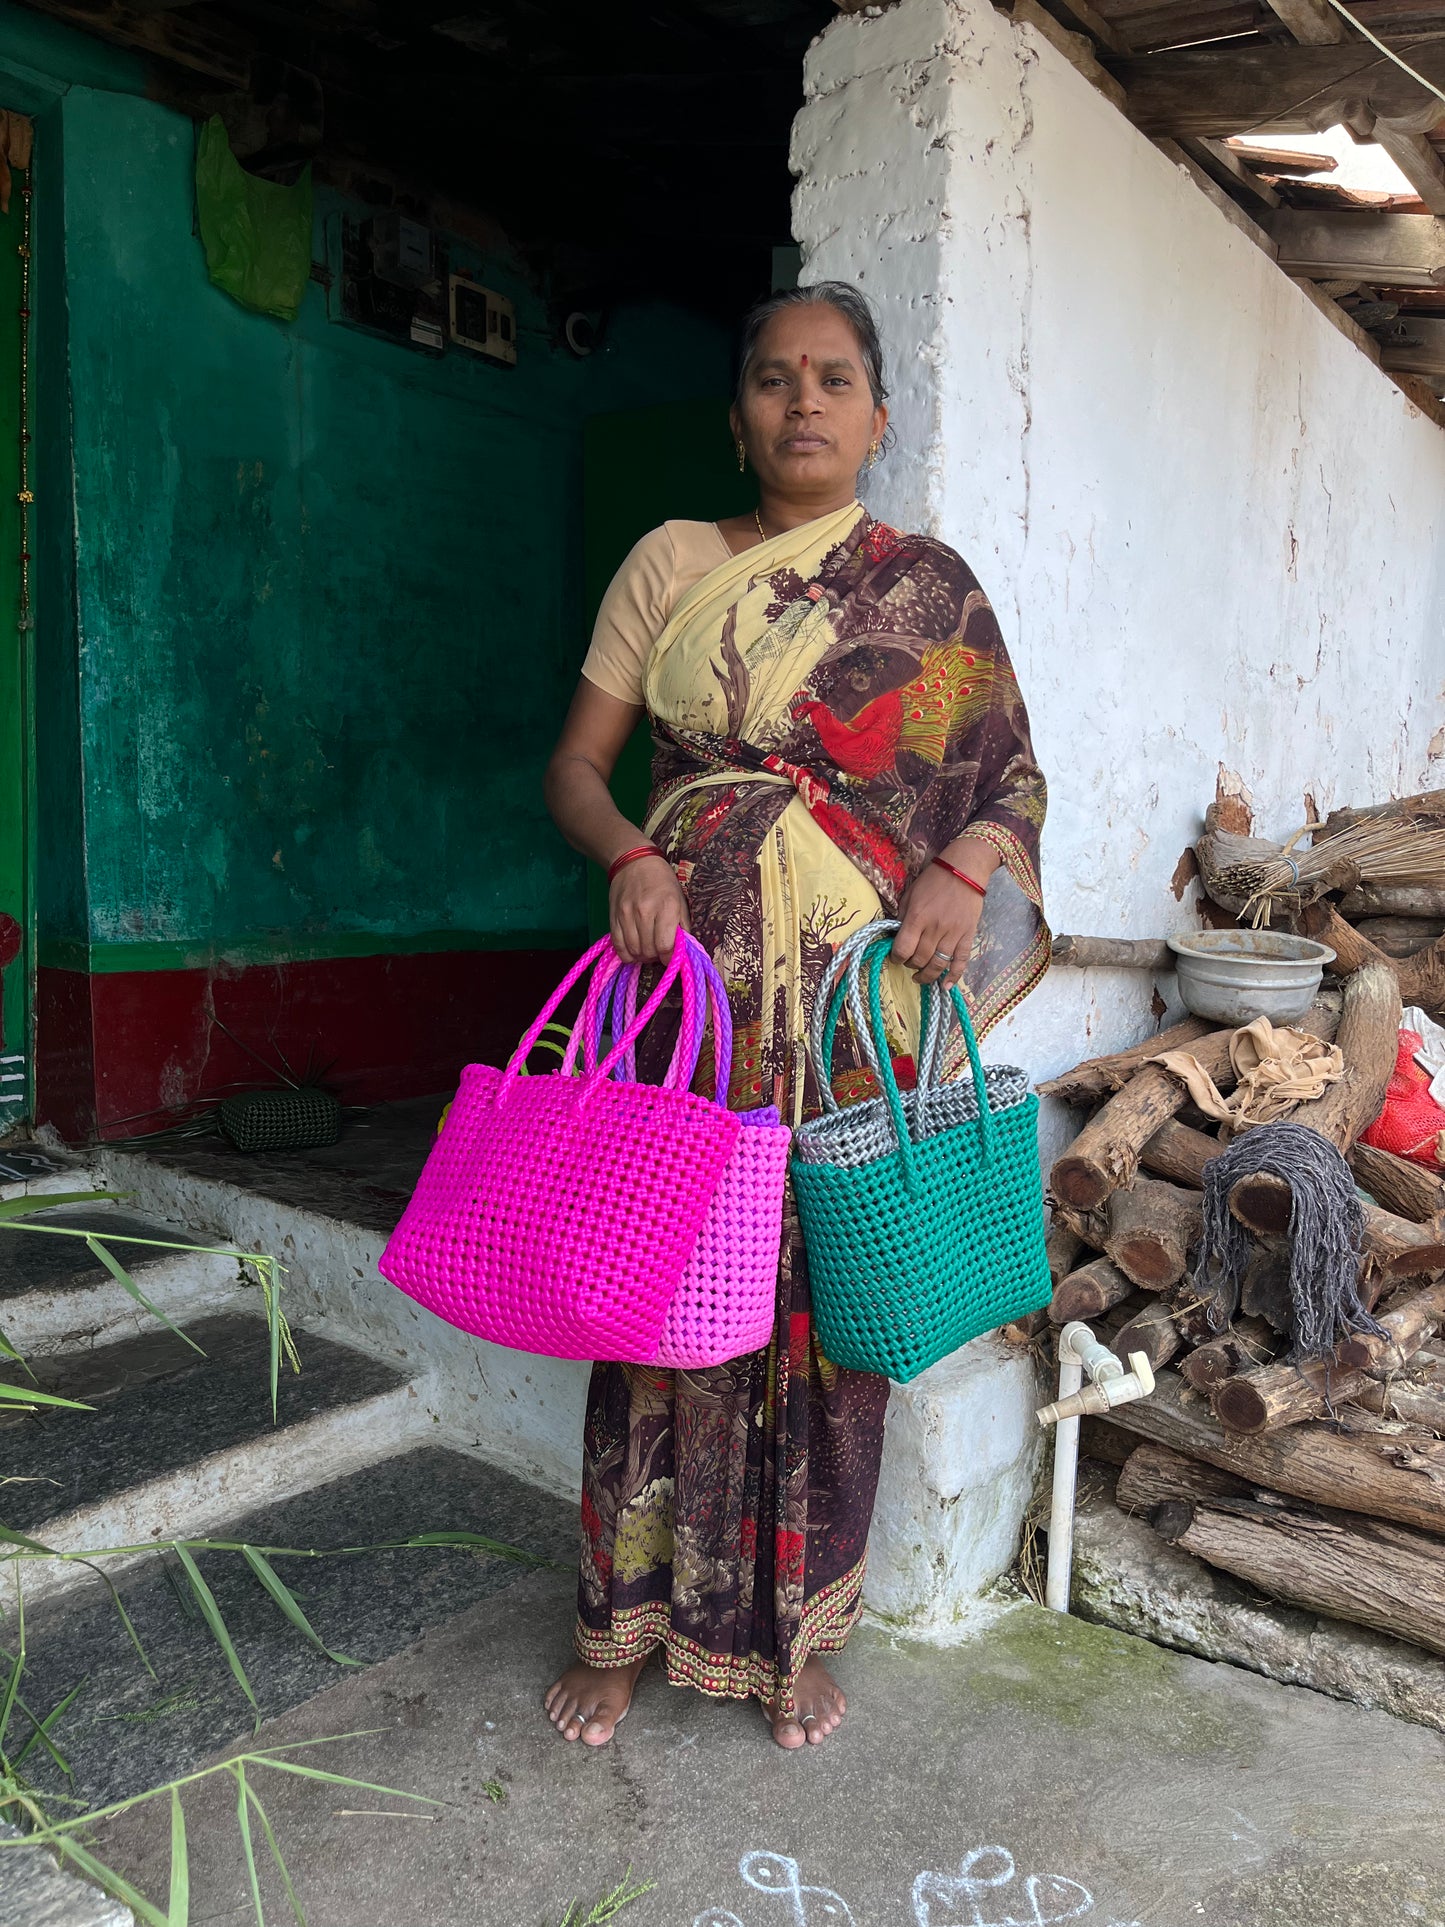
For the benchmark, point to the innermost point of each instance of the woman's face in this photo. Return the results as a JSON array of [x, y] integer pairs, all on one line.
[[806, 417]]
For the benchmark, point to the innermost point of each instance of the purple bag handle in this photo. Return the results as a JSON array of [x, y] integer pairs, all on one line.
[[619, 994], [599, 951]]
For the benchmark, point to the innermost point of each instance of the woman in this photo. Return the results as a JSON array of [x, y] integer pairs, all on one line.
[[839, 737]]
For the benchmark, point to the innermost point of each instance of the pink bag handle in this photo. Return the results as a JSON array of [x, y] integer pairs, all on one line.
[[620, 990], [595, 955]]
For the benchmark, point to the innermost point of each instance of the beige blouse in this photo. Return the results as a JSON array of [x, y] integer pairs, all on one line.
[[641, 598]]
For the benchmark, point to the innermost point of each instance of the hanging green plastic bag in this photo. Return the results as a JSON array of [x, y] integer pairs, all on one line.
[[257, 234]]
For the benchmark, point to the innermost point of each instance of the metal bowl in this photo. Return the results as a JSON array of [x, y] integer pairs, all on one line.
[[1234, 976]]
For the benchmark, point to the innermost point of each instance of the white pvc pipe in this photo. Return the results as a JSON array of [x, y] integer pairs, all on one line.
[[1111, 1385], [1066, 1472]]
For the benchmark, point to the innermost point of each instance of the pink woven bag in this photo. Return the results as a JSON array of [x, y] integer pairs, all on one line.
[[726, 1303], [556, 1214]]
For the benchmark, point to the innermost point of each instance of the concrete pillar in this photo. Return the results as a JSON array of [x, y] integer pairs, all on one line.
[[1147, 442]]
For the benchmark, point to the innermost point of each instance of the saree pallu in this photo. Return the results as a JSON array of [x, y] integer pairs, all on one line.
[[830, 709]]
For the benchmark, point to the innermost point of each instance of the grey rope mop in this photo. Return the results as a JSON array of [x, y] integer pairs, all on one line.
[[1326, 1225]]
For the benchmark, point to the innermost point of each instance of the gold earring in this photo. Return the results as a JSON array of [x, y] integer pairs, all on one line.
[[742, 458], [872, 454]]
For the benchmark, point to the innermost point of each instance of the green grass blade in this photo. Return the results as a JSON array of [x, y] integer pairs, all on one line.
[[243, 1816], [273, 1323], [281, 1866], [28, 1396], [12, 1209], [180, 1901], [211, 1613], [7, 1350], [340, 1779], [122, 1277], [125, 1619], [477, 1541], [41, 1734], [105, 1877], [12, 1685], [288, 1604]]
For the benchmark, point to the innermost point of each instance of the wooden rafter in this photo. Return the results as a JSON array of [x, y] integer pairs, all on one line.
[[1212, 92]]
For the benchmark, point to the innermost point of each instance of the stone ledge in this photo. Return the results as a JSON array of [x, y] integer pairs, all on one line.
[[36, 1892], [1126, 1576]]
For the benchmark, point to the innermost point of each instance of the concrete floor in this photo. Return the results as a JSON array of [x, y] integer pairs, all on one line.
[[1046, 1771]]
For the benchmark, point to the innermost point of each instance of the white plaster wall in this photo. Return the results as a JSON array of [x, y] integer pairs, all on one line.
[[1211, 528]]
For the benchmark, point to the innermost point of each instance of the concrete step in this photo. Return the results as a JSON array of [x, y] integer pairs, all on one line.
[[55, 1296], [177, 1442], [126, 1731]]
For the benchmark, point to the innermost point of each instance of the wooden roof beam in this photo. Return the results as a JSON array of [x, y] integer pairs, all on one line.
[[1385, 250], [1314, 23], [1213, 92], [1416, 159]]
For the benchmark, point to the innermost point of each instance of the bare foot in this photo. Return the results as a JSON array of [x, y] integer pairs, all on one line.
[[820, 1708], [588, 1702]]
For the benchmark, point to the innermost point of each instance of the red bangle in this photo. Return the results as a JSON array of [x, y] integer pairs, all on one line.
[[632, 856], [963, 876]]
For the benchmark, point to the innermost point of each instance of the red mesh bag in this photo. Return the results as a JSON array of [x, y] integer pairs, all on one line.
[[1412, 1124]]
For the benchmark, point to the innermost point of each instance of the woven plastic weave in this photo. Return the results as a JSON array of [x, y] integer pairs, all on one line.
[[556, 1213], [289, 1120], [917, 1248], [726, 1302]]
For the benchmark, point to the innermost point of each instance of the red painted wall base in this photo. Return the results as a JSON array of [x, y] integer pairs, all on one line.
[[122, 1054]]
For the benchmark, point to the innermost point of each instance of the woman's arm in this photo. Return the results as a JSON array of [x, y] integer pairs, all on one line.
[[645, 901]]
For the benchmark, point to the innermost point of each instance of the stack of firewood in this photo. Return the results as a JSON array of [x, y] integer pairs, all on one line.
[[1320, 1482]]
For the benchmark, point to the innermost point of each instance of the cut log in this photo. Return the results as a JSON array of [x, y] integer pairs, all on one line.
[[1246, 1345], [1022, 1332], [1203, 1313], [1105, 1154], [1404, 1399], [1283, 1394], [1112, 953], [1287, 1393], [1091, 1228], [1062, 1248], [1106, 1443], [1401, 936], [1398, 1475], [1151, 1331], [1368, 1039], [1408, 1190], [1407, 1326], [1151, 1228], [1395, 901], [1087, 1292], [1264, 1290], [1100, 1077], [1421, 978], [1339, 1563], [1154, 1474], [1393, 1247], [1179, 1152], [1424, 804]]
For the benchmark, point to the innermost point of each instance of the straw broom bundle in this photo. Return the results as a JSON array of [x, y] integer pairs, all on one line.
[[1380, 853]]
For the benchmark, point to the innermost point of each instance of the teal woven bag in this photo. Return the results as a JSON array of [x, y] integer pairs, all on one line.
[[922, 1211]]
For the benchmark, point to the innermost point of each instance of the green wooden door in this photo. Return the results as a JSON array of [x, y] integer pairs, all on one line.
[[672, 463], [16, 712]]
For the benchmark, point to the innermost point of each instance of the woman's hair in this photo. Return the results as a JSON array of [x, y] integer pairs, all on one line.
[[855, 308]]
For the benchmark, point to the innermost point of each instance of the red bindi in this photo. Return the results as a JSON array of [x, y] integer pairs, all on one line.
[[805, 361]]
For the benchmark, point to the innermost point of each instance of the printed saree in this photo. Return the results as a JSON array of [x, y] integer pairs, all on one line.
[[830, 709]]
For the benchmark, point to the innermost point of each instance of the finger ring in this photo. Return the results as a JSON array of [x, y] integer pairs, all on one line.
[[944, 956]]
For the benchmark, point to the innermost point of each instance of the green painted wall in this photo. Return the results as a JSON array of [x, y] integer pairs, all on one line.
[[328, 593]]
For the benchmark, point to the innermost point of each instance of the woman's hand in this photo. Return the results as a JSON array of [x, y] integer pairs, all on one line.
[[939, 915], [645, 907]]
